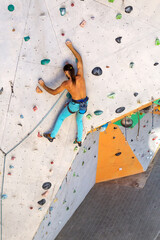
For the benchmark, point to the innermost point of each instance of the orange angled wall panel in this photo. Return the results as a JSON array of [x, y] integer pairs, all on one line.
[[110, 166]]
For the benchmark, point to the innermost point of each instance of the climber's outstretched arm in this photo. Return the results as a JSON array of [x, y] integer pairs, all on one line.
[[78, 56], [56, 91]]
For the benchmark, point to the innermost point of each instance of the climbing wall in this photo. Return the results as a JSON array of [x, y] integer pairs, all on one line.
[[119, 44]]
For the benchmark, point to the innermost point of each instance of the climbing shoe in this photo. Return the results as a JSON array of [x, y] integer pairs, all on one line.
[[48, 136], [79, 143]]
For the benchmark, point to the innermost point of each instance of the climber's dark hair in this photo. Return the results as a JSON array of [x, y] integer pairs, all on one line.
[[70, 68]]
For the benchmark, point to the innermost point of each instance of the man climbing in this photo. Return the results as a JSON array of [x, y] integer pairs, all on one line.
[[76, 86]]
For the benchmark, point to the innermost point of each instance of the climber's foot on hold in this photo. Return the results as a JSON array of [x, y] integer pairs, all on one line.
[[48, 136], [79, 143]]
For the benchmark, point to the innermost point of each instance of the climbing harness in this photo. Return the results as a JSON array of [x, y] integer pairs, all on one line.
[[82, 105]]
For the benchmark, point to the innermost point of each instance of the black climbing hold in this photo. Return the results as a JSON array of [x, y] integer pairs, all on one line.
[[132, 157], [128, 9], [135, 94], [97, 71], [115, 127], [117, 154], [46, 185], [119, 110], [131, 140], [145, 110], [42, 202], [118, 39], [114, 137], [156, 63], [89, 148], [127, 122]]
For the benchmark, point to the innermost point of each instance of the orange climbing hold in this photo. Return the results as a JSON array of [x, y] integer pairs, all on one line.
[[38, 90], [83, 23], [45, 193]]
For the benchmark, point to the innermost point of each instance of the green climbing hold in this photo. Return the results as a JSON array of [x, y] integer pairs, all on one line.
[[68, 95], [45, 61], [157, 42], [74, 191], [98, 112], [67, 208], [62, 11], [111, 1], [11, 8], [76, 148], [89, 116], [131, 65], [84, 150], [74, 174], [26, 38], [119, 16], [82, 163], [111, 95]]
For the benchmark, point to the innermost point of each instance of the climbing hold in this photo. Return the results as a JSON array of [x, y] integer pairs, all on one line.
[[118, 154], [11, 166], [46, 185], [104, 127], [89, 116], [74, 174], [97, 71], [72, 4], [1, 91], [118, 39], [119, 110], [38, 90], [118, 16], [154, 138], [39, 135], [156, 63], [35, 108], [4, 196], [128, 9], [76, 60], [31, 207], [21, 116], [55, 200], [111, 1], [135, 94], [68, 95], [82, 163], [64, 201], [76, 148], [139, 101], [13, 29], [127, 122], [62, 11], [131, 65], [12, 158], [92, 17], [49, 223], [84, 150], [83, 23], [11, 8], [26, 38], [107, 66], [111, 95], [52, 162], [40, 209], [50, 209], [45, 61], [120, 169], [9, 174], [98, 112], [45, 193], [157, 42], [62, 33], [42, 202], [74, 191], [67, 208], [19, 124]]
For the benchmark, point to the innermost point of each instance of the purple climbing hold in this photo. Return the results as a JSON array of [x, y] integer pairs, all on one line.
[[42, 202], [128, 9], [118, 39], [119, 110], [97, 71], [46, 185]]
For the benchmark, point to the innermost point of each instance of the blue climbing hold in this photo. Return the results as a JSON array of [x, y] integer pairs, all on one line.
[[4, 196], [97, 71], [98, 112], [103, 127]]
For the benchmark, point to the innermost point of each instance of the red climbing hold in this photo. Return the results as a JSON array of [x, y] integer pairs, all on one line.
[[72, 4], [62, 34], [12, 158], [31, 208], [35, 108], [9, 174], [154, 138], [52, 162]]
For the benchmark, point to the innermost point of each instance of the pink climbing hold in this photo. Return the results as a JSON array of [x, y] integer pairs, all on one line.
[[35, 108], [39, 135], [12, 158], [45, 193]]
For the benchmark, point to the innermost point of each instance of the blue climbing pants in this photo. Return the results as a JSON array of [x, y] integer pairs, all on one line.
[[73, 107]]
